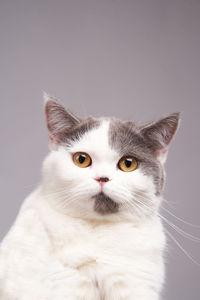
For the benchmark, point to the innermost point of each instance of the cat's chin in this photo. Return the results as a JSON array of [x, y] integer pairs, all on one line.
[[104, 204]]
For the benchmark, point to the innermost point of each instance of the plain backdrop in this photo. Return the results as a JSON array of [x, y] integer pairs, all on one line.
[[136, 60]]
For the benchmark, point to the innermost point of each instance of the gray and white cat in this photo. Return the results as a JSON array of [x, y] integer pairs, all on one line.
[[91, 230]]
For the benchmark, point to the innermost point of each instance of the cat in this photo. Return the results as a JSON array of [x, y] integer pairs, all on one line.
[[91, 230]]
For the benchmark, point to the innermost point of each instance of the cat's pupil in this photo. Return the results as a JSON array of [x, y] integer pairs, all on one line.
[[81, 158], [128, 162]]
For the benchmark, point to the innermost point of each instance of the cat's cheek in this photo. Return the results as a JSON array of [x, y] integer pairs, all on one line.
[[141, 181], [124, 187], [86, 188]]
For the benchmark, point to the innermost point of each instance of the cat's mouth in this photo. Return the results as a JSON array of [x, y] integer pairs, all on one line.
[[104, 204]]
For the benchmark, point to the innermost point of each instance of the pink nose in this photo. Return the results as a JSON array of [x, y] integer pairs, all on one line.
[[102, 179]]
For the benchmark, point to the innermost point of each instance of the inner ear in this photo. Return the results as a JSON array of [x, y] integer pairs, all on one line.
[[161, 155], [158, 135], [59, 120]]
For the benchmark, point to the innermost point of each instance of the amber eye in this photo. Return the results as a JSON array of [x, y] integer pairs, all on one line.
[[128, 163], [82, 160]]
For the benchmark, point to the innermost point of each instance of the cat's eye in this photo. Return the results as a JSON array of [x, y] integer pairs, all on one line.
[[128, 163], [82, 159]]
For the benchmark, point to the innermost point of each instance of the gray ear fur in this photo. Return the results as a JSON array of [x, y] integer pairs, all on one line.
[[59, 120], [159, 134]]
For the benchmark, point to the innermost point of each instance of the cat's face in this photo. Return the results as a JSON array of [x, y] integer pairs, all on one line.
[[100, 168]]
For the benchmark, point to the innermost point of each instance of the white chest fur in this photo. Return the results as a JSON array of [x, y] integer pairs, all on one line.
[[103, 259]]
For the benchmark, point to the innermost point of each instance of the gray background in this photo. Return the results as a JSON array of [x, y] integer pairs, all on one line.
[[135, 60]]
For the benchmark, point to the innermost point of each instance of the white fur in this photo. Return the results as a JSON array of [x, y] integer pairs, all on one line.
[[59, 248]]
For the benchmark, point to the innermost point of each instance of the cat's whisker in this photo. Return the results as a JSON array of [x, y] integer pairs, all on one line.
[[56, 193], [173, 215], [76, 196], [171, 203], [134, 207], [178, 218], [65, 190], [33, 185], [135, 204], [175, 227], [179, 245], [124, 195], [67, 201], [180, 232]]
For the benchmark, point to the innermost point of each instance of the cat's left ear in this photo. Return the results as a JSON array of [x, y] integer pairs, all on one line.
[[59, 120], [159, 134]]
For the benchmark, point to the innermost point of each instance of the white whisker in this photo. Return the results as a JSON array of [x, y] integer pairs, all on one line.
[[184, 251], [180, 231], [178, 218]]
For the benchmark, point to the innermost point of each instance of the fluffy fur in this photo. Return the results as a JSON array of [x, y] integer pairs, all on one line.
[[67, 242]]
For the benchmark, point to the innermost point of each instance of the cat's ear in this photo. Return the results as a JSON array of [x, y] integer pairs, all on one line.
[[59, 120], [159, 134]]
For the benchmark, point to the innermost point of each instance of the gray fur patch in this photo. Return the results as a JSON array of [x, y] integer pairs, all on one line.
[[79, 130], [104, 204], [126, 139], [64, 127]]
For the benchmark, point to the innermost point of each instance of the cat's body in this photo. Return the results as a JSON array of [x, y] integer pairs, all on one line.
[[91, 232], [63, 258]]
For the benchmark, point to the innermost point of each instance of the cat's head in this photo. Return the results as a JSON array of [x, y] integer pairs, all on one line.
[[105, 167]]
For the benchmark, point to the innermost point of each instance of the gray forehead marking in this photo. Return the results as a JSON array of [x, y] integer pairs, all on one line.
[[126, 139], [75, 133], [104, 204]]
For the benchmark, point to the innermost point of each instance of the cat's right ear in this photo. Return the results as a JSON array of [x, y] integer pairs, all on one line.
[[59, 120], [159, 134]]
